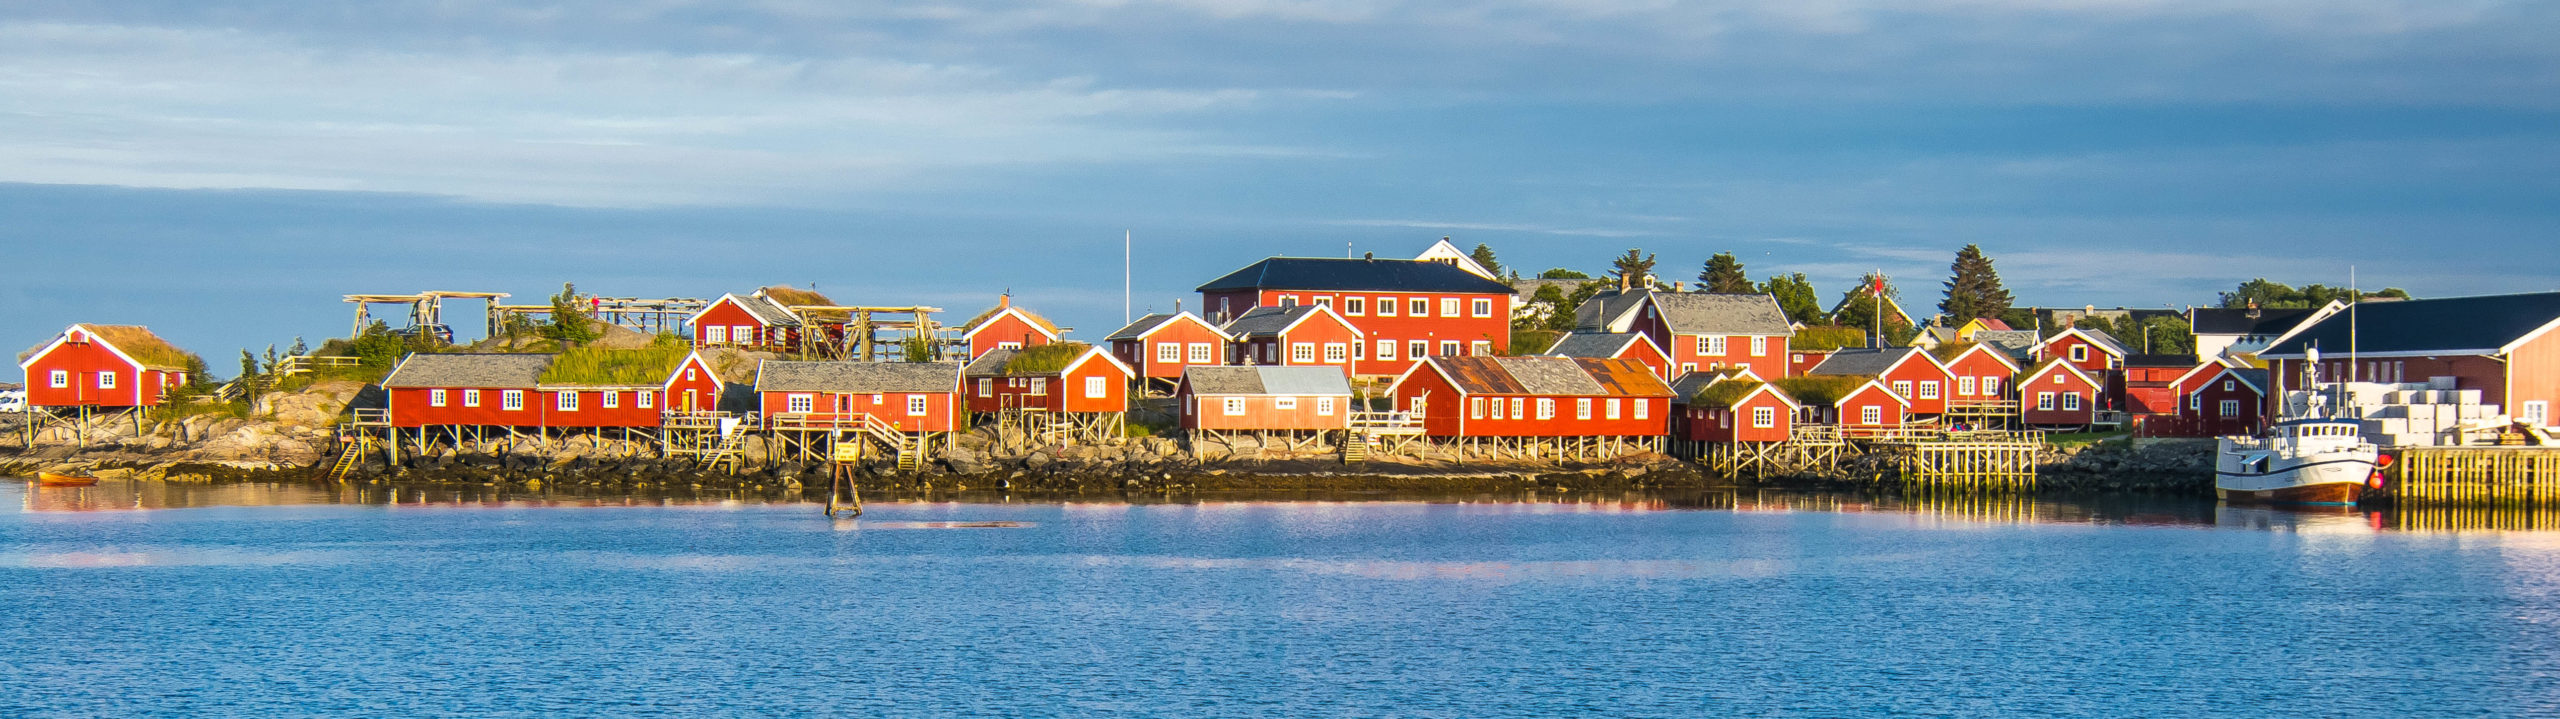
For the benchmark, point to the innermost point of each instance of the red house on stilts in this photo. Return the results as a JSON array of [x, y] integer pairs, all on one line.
[[1007, 327], [1159, 347], [112, 367], [1070, 389], [1553, 407]]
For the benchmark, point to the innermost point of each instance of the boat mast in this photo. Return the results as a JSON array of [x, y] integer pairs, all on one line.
[[2355, 297]]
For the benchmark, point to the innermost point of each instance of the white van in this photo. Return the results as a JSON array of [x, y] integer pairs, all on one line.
[[13, 401]]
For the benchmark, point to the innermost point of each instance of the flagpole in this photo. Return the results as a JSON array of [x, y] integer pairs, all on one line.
[[1125, 284]]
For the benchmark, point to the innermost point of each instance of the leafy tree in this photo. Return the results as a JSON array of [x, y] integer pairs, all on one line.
[[1796, 297], [1484, 257], [1973, 290], [1530, 342], [1860, 306], [1559, 273], [1723, 273], [569, 321], [2167, 335], [199, 377], [1563, 318], [2277, 295], [1634, 269], [1548, 299]]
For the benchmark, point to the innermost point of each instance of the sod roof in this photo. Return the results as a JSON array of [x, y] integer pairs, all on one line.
[[1819, 390], [789, 296], [603, 367], [134, 341], [1825, 339]]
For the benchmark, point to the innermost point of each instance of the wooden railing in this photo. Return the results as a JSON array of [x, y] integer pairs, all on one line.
[[299, 364], [1386, 421], [369, 417]]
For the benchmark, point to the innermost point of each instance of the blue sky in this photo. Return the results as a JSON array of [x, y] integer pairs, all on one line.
[[246, 163]]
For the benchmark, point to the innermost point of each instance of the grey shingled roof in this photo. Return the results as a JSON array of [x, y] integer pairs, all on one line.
[[1597, 313], [990, 364], [1861, 362], [857, 377], [1299, 381], [1268, 320], [1596, 345], [2110, 341], [1141, 327], [771, 313], [1708, 313], [2017, 343], [1550, 375], [512, 371]]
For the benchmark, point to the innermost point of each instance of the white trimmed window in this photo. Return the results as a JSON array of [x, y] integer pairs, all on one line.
[[471, 398], [611, 399], [986, 387], [2070, 402], [1644, 407], [1414, 406], [1008, 345], [1288, 300], [1386, 349], [2079, 353], [2537, 412], [799, 403], [106, 380], [1991, 386], [1359, 350], [1497, 408], [1039, 387], [1202, 352], [1449, 348], [1285, 404], [1582, 408], [917, 406], [1712, 345], [1480, 348], [1096, 387], [1764, 417], [1355, 306], [2227, 386], [1168, 352], [2057, 378], [2196, 401], [435, 398], [1871, 415], [1235, 406], [1418, 349], [1516, 408], [715, 335], [1482, 307], [2044, 400], [1546, 408], [1337, 352], [1475, 408], [1325, 301], [1759, 346], [1324, 406], [1929, 389], [1386, 307], [1610, 411], [2230, 408], [646, 399], [59, 379], [1302, 352], [1964, 386], [511, 400], [1902, 387], [1448, 306], [1421, 307], [565, 401]]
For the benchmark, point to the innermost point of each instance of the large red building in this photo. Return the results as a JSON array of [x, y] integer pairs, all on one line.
[[1698, 331], [1404, 309], [2503, 346], [1534, 397], [1982, 373], [532, 391], [106, 366], [1160, 346]]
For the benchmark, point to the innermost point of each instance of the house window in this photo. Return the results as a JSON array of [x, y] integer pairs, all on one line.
[[1096, 387], [106, 380], [715, 335], [1284, 404], [2044, 401], [1515, 409], [1764, 417], [1712, 345], [1610, 411], [1688, 367], [2079, 353], [916, 405], [2227, 386], [1168, 352], [1386, 307], [2057, 378], [471, 398], [1418, 349], [1643, 407], [2229, 408], [1355, 306], [798, 403], [1991, 386], [1414, 406], [1480, 348], [1929, 389], [1288, 300], [511, 400], [59, 379], [1386, 350], [1324, 406], [1040, 386], [1201, 352], [1546, 408], [612, 400], [1448, 348], [2196, 402], [986, 387], [646, 400], [1421, 307], [1336, 352], [2070, 402], [1964, 386], [435, 398], [1871, 414], [1475, 408], [566, 401], [1235, 406], [1325, 301], [742, 334], [1902, 388], [1008, 345], [688, 374], [1359, 350], [1482, 307], [1302, 352], [1582, 408], [1497, 408], [1448, 306], [2537, 412]]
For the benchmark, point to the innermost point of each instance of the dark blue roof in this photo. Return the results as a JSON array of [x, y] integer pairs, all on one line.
[[2451, 324], [1321, 273]]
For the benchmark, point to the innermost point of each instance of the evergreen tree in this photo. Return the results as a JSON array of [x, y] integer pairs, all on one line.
[[917, 349], [299, 349], [1559, 273], [1723, 273], [1633, 270], [1974, 288], [1562, 320], [569, 321], [1796, 297], [1860, 306], [248, 375], [199, 377], [1484, 257]]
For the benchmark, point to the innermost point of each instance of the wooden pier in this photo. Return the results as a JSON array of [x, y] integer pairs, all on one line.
[[2492, 476], [1999, 465]]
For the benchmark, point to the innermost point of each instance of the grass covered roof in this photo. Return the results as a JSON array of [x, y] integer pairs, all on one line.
[[135, 341], [607, 367], [1045, 359], [1825, 339], [1819, 389], [789, 296], [1725, 393], [1949, 351]]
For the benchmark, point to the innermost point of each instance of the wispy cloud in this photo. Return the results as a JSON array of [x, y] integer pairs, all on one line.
[[1497, 227]]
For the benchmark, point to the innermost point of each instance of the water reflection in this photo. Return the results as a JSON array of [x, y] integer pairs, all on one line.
[[1952, 507]]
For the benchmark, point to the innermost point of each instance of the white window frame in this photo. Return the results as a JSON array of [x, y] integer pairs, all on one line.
[[1386, 307], [511, 400], [609, 399], [1480, 307], [1581, 408], [565, 401], [2229, 408], [1714, 345], [1990, 386], [471, 398], [1497, 408], [435, 398], [1285, 300], [1475, 408], [2195, 401], [1302, 352], [645, 399], [1008, 345], [1759, 345], [1203, 352], [1355, 306], [1871, 415], [1336, 353], [59, 379], [1964, 386], [1097, 387], [2044, 401], [1235, 406], [1902, 388], [1325, 301], [1386, 350], [799, 403], [1169, 352], [1516, 407], [1764, 417], [986, 387], [1039, 386], [2229, 386], [1418, 307], [1644, 408], [1449, 307], [2079, 353], [1546, 408], [2070, 401], [1324, 406], [1480, 348], [919, 405], [2536, 411], [1417, 349], [1610, 409], [1929, 389], [715, 335], [106, 380], [1416, 405], [1451, 348]]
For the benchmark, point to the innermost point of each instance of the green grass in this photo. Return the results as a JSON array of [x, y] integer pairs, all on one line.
[[2074, 439], [1825, 339], [1823, 390], [1725, 393], [615, 367], [1045, 359]]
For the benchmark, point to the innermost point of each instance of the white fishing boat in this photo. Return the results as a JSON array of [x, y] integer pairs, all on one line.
[[2302, 461]]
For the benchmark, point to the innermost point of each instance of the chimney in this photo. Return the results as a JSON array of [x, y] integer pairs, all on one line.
[[1368, 255], [1177, 307], [1004, 300], [1678, 286]]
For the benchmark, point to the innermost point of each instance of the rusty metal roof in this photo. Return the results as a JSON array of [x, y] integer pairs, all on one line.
[[1624, 377], [1560, 376]]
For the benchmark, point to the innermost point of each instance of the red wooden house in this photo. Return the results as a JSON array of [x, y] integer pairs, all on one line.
[[1697, 330], [694, 386], [1981, 374], [594, 389], [468, 390], [1614, 345], [109, 366], [1801, 361], [1296, 335], [1403, 309], [2146, 385], [1160, 346], [1007, 326], [2503, 346], [2058, 394], [1870, 409], [1065, 377], [755, 321], [916, 398], [1725, 407], [1909, 372], [1265, 399], [1535, 397], [2214, 399], [2093, 351]]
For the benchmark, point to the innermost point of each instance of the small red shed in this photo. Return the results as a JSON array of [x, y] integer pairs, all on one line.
[[1981, 374], [1871, 409], [1909, 372], [1160, 346], [103, 366], [2215, 399], [1067, 377], [1535, 397], [1734, 408], [1265, 399], [1294, 336], [755, 321], [1007, 326], [2058, 394]]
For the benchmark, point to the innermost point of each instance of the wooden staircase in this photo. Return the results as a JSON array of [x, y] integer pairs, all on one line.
[[1355, 447], [350, 455]]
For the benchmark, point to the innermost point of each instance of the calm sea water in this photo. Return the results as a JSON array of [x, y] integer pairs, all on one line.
[[288, 601]]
